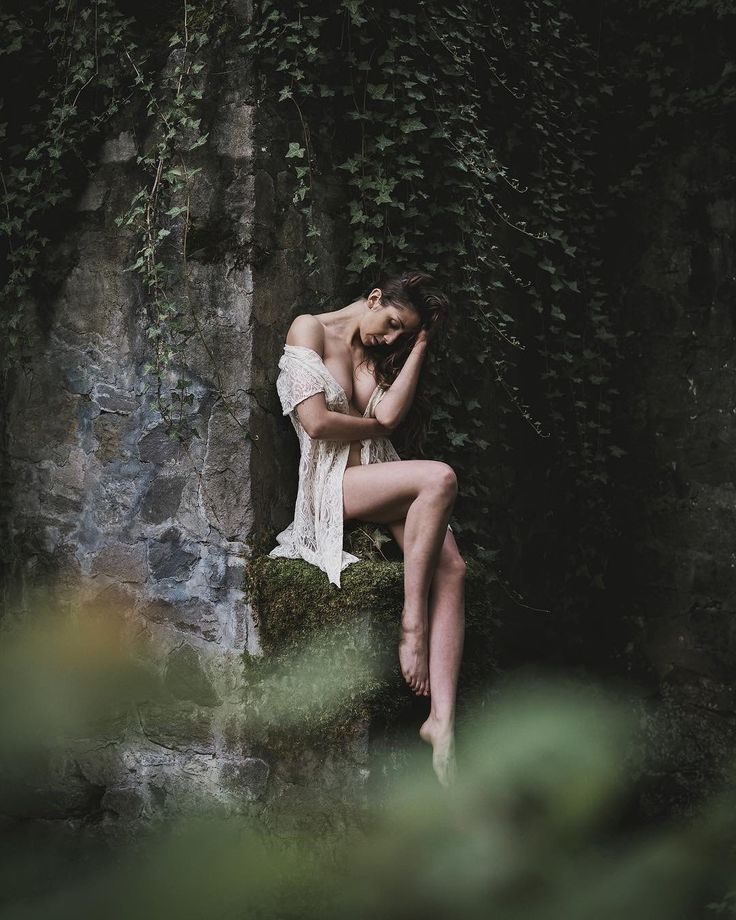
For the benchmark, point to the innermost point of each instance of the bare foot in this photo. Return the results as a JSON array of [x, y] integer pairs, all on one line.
[[413, 658], [442, 739]]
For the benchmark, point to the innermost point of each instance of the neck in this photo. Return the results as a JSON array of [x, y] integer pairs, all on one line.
[[345, 323]]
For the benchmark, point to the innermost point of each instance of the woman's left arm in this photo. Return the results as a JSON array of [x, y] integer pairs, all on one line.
[[398, 398]]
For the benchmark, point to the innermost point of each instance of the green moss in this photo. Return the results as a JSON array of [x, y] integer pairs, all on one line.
[[353, 633], [292, 598]]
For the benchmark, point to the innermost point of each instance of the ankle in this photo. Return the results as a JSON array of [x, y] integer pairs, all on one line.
[[443, 723]]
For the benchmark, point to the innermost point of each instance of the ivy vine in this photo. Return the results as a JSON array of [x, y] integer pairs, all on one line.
[[78, 48], [160, 211], [466, 139], [465, 136], [93, 66]]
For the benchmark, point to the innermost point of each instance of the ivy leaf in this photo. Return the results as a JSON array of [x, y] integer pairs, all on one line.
[[412, 124], [352, 165], [377, 90], [295, 151]]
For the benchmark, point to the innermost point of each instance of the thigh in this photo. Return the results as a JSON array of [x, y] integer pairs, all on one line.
[[383, 492]]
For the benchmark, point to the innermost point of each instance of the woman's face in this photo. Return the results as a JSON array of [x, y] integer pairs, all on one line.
[[384, 323]]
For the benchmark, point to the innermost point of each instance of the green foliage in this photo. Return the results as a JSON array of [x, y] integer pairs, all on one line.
[[678, 77], [355, 630], [95, 67], [535, 827], [159, 212], [82, 46], [465, 138]]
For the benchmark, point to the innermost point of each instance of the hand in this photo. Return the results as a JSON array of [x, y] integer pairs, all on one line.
[[421, 339]]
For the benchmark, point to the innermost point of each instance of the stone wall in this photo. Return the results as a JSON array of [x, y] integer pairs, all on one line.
[[674, 572], [102, 505]]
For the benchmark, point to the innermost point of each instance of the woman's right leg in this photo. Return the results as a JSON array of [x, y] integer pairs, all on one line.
[[420, 493]]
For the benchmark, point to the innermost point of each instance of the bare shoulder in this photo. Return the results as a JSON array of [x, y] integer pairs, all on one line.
[[308, 332]]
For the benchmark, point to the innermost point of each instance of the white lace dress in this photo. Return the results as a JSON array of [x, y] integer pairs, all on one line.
[[316, 532]]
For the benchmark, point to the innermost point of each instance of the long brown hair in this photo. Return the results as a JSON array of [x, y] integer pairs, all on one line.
[[419, 291]]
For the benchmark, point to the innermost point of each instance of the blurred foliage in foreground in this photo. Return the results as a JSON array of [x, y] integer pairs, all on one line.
[[535, 829]]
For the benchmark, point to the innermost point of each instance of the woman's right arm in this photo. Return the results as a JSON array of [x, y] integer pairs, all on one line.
[[316, 419], [322, 423]]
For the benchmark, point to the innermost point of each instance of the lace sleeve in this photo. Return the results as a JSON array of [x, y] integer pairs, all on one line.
[[379, 396], [297, 382], [376, 397]]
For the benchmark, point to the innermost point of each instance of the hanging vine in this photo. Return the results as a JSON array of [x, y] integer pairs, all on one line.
[[465, 136], [160, 212], [78, 47]]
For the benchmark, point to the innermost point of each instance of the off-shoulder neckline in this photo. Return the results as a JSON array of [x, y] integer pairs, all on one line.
[[330, 374]]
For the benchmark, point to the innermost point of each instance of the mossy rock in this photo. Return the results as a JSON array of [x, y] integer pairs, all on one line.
[[353, 631]]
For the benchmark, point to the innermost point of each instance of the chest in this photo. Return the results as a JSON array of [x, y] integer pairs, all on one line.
[[356, 380]]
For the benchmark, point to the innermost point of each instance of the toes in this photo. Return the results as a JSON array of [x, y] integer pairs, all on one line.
[[417, 685]]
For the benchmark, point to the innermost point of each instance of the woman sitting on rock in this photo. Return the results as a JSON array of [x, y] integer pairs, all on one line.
[[347, 379]]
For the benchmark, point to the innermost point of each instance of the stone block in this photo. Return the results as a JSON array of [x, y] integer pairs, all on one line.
[[119, 149], [94, 301], [226, 476], [116, 495], [247, 777], [93, 196], [162, 499], [177, 725], [233, 133], [42, 419], [71, 474], [168, 557], [52, 786], [185, 678], [194, 615], [157, 447], [77, 379], [124, 802], [112, 400], [122, 561], [110, 429], [221, 355]]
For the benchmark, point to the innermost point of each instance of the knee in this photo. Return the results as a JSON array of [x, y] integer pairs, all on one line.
[[458, 567], [443, 480], [452, 563]]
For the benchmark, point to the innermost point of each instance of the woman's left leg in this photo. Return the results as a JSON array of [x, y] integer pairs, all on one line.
[[446, 638]]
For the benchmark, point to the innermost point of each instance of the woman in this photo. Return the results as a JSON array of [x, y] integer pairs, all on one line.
[[348, 378]]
